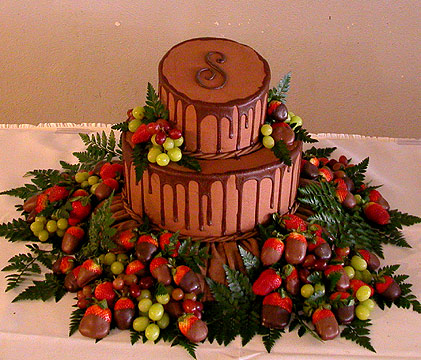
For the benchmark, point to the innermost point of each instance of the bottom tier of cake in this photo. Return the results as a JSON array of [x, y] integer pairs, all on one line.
[[228, 197]]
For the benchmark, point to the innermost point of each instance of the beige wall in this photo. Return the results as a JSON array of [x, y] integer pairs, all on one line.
[[355, 64]]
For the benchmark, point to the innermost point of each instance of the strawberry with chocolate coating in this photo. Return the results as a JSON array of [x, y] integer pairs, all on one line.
[[388, 288], [165, 240], [277, 110], [320, 247], [124, 313], [295, 248], [64, 265], [276, 310], [355, 284], [105, 291], [376, 213], [96, 321], [70, 281], [72, 239], [193, 328], [146, 247], [325, 324], [160, 271], [268, 281], [292, 222], [185, 278], [291, 279], [90, 270], [343, 305], [373, 262], [338, 277], [135, 267], [272, 251], [125, 239]]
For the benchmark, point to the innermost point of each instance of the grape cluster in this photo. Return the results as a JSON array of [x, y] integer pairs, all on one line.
[[43, 228]]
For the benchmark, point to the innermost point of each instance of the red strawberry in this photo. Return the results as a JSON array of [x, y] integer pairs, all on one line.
[[343, 306], [112, 183], [57, 193], [126, 239], [90, 270], [295, 248], [355, 284], [376, 213], [292, 282], [276, 311], [164, 240], [268, 281], [41, 203], [70, 281], [141, 135], [387, 287], [193, 328], [146, 246], [160, 270], [95, 322], [79, 193], [343, 160], [272, 251], [341, 194], [292, 222], [323, 160], [340, 184], [72, 238], [318, 240], [374, 195], [185, 278], [124, 313], [110, 171], [342, 282], [315, 229], [64, 265], [326, 173], [320, 248], [105, 291], [315, 161], [373, 262], [325, 323], [135, 267], [81, 209]]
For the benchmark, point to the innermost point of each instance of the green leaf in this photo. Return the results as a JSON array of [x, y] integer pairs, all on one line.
[[154, 108], [75, 318], [251, 262], [282, 153], [357, 172], [318, 152], [270, 336], [358, 332], [42, 290], [190, 163], [140, 160], [134, 336], [303, 135], [280, 91], [123, 126], [17, 230]]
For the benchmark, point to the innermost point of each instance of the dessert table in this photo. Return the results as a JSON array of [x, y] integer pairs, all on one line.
[[36, 330]]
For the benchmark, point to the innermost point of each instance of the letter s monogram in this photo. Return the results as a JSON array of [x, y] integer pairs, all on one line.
[[214, 69]]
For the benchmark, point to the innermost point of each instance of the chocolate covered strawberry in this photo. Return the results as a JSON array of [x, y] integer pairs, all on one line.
[[320, 247], [373, 262], [337, 276], [291, 280], [124, 313], [326, 174], [292, 223], [355, 284], [70, 281], [96, 322], [126, 239], [276, 310], [64, 265], [146, 246], [268, 281], [72, 239], [164, 243], [277, 110], [90, 270], [193, 328], [325, 323], [135, 267], [105, 291], [376, 213], [272, 251], [388, 288], [185, 278], [343, 306], [295, 248], [160, 271]]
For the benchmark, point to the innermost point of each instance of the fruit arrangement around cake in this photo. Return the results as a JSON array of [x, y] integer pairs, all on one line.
[[179, 238]]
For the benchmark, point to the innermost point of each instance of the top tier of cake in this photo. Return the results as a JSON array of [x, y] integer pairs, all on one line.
[[216, 94]]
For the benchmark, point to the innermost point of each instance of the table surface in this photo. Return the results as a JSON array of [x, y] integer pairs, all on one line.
[[37, 330]]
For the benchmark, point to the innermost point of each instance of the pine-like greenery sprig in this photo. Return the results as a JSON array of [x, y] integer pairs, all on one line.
[[17, 230], [270, 336], [193, 254], [318, 152], [303, 135], [358, 331], [140, 160], [75, 318]]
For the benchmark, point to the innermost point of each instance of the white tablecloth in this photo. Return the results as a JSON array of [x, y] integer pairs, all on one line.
[[36, 330]]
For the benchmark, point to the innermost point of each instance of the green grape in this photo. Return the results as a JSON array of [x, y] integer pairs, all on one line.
[[175, 154], [62, 224], [290, 114], [134, 124], [153, 141], [358, 275], [366, 276], [162, 159], [117, 267], [268, 142], [363, 293], [358, 199], [144, 305], [92, 180], [81, 176], [369, 304], [164, 321], [168, 144], [163, 299], [43, 235], [152, 332], [296, 121], [153, 153], [84, 184], [36, 227], [109, 258], [266, 130], [350, 271], [358, 263], [122, 258], [101, 258], [178, 142], [307, 290], [93, 188], [156, 311], [144, 294], [51, 226], [362, 312], [42, 219], [138, 112], [60, 233], [140, 323]]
